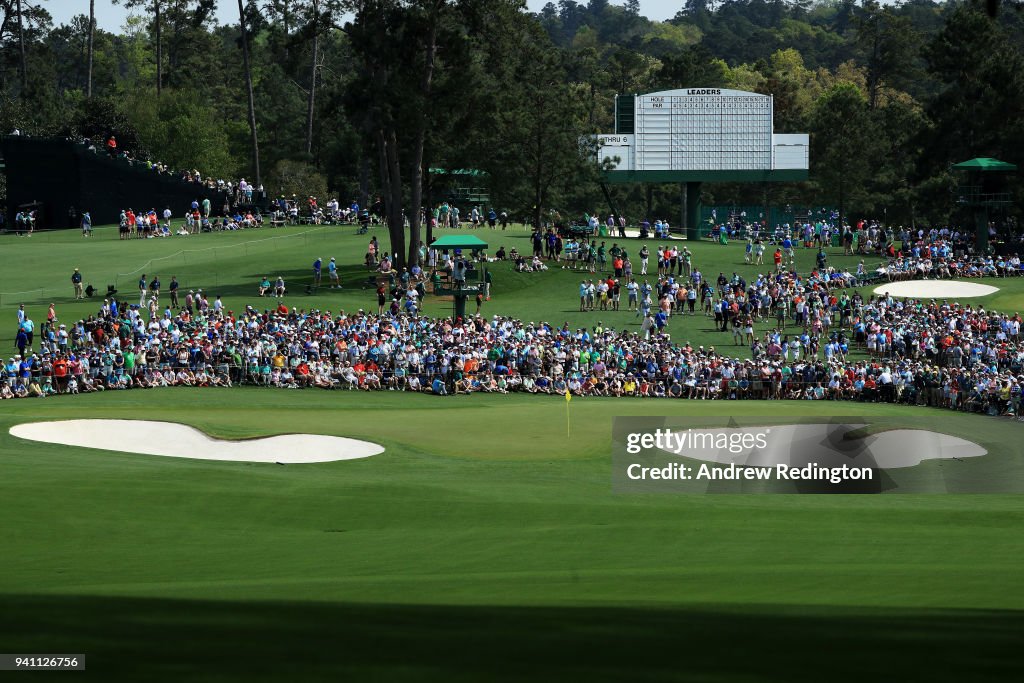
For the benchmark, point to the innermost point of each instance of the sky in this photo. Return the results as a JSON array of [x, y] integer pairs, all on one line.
[[110, 17]]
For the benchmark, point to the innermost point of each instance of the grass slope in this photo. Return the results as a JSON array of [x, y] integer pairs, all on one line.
[[483, 544], [39, 269]]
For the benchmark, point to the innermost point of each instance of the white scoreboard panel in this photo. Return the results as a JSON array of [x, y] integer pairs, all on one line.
[[702, 129]]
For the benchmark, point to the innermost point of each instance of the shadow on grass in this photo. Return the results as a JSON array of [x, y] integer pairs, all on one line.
[[170, 640]]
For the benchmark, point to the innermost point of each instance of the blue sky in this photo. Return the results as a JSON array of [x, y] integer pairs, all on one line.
[[110, 17]]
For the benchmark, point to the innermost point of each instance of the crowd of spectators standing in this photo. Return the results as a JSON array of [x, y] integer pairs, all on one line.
[[238, 192], [862, 238], [912, 351]]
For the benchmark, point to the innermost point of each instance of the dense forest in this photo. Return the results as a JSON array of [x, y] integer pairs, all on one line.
[[360, 98]]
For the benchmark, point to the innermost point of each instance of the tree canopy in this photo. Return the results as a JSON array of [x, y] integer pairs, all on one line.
[[358, 98]]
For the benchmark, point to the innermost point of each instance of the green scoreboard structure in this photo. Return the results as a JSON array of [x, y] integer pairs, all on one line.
[[695, 135]]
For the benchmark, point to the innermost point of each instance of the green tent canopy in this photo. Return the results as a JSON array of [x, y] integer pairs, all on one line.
[[459, 242], [985, 164]]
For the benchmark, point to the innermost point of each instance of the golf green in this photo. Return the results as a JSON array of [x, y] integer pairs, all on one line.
[[483, 543]]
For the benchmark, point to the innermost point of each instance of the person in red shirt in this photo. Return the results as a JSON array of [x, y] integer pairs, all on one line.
[[60, 374], [870, 387], [112, 146]]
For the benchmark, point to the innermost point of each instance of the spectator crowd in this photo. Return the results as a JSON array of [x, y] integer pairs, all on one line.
[[933, 353]]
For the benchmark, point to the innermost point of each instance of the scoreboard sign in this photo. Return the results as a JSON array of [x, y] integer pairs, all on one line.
[[703, 129], [698, 129]]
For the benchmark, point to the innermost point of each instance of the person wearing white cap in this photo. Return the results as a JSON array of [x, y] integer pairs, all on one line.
[[76, 280], [332, 273]]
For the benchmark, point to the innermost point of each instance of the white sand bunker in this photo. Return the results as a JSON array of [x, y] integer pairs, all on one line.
[[936, 289], [831, 445], [179, 441]]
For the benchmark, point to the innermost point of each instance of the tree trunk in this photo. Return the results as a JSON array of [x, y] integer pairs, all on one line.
[[768, 207], [385, 179], [92, 30], [538, 180], [21, 47], [312, 79], [421, 133], [160, 47], [391, 174], [364, 182], [416, 200], [842, 203], [397, 218], [286, 20], [593, 101], [429, 192], [538, 198], [248, 92], [874, 77]]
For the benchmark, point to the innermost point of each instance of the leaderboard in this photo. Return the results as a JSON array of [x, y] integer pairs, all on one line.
[[703, 129]]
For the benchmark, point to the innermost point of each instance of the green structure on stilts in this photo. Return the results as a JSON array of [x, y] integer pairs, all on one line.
[[983, 188], [693, 136], [470, 281]]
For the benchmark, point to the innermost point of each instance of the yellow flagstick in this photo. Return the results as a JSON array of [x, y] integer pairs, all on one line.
[[568, 398]]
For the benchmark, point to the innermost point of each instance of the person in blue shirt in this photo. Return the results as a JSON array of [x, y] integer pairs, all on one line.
[[660, 319], [86, 225], [25, 369], [29, 328], [317, 265], [332, 274]]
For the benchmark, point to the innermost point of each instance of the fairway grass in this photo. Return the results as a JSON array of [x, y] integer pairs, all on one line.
[[480, 531]]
